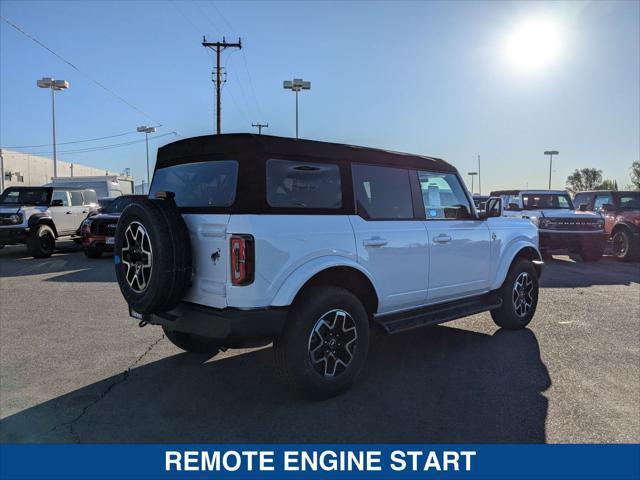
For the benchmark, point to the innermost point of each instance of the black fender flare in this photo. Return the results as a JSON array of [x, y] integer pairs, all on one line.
[[625, 224], [43, 218]]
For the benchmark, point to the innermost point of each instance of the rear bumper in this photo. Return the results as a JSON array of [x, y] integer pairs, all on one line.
[[231, 326], [11, 236], [572, 240]]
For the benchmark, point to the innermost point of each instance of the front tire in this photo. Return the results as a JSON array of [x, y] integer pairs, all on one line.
[[41, 241], [192, 343], [324, 345], [519, 294], [623, 246]]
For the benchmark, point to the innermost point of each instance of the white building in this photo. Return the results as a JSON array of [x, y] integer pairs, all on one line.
[[23, 169]]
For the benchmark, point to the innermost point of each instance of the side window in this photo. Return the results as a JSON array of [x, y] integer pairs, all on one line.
[[90, 197], [582, 198], [292, 184], [512, 202], [443, 196], [563, 202], [58, 195], [76, 199], [601, 200], [382, 193]]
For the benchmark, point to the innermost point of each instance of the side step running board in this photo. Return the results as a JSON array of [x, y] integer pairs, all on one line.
[[443, 312]]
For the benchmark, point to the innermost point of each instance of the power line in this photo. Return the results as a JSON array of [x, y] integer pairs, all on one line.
[[244, 59], [75, 141], [103, 147], [98, 83]]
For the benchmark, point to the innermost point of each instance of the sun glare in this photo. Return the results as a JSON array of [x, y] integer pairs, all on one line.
[[533, 45]]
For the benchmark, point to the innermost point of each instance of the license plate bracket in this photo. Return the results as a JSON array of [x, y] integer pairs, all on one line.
[[141, 317]]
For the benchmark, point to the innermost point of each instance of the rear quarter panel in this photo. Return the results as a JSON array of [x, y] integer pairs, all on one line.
[[284, 244]]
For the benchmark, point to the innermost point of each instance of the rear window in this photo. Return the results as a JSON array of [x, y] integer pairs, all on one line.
[[293, 184], [202, 184]]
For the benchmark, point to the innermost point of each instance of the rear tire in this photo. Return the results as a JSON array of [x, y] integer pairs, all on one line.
[[192, 343], [324, 345], [41, 241], [92, 253], [519, 294]]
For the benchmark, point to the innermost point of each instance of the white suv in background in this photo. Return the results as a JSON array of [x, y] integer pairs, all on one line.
[[249, 238], [561, 226], [37, 216]]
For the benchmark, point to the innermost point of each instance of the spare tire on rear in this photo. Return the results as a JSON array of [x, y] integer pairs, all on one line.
[[152, 255]]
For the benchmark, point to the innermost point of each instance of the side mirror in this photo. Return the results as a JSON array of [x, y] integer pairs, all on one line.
[[583, 207], [57, 203], [607, 207], [493, 208]]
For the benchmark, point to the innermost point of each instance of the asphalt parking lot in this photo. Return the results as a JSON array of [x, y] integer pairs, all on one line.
[[75, 368]]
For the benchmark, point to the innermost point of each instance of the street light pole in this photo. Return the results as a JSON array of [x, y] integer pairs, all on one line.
[[551, 153], [296, 85], [53, 84], [472, 175], [147, 130]]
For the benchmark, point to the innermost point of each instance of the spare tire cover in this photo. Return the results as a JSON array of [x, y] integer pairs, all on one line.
[[152, 255]]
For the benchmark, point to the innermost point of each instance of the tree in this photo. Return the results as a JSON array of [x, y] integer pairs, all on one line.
[[584, 179], [635, 175], [608, 185]]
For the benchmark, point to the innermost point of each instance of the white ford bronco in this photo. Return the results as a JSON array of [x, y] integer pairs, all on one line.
[[560, 225], [253, 238], [37, 216]]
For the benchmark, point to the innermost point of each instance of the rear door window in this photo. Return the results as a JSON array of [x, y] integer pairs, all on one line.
[[296, 184], [201, 184], [382, 193], [76, 199]]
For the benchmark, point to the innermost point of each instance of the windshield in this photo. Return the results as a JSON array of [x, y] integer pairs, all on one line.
[[26, 196], [629, 201], [117, 205], [539, 201]]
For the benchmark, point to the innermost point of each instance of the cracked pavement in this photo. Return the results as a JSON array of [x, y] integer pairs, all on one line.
[[75, 368]]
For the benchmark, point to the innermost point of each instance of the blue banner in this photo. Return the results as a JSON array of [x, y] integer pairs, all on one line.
[[326, 462]]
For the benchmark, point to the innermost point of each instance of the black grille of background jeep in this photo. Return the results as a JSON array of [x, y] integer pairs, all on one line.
[[572, 224]]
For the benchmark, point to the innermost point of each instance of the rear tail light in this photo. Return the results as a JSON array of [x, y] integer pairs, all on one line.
[[242, 259]]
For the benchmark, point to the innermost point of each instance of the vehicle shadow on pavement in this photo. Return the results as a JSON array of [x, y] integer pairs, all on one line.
[[563, 272], [434, 385], [68, 261]]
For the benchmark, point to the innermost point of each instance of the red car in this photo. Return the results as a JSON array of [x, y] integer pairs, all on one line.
[[621, 212], [97, 231]]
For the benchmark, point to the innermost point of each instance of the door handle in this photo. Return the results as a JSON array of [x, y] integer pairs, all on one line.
[[84, 211], [68, 213], [374, 242], [442, 238]]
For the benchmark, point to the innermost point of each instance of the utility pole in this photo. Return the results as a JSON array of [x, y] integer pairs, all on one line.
[[218, 47], [260, 126]]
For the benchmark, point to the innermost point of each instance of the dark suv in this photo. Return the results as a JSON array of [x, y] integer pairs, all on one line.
[[621, 212]]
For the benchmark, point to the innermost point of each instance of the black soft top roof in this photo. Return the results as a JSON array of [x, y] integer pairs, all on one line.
[[247, 145]]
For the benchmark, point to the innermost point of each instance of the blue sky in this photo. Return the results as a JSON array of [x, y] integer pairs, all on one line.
[[422, 77]]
